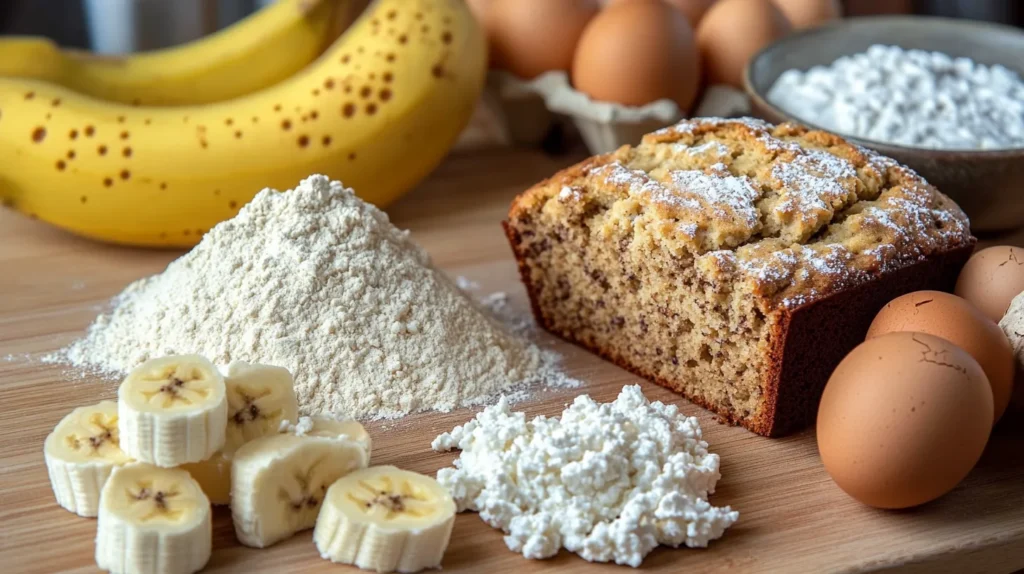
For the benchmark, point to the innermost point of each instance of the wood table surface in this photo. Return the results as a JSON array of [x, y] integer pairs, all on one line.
[[793, 518]]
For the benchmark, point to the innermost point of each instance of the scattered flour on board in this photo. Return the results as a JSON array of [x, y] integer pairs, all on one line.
[[466, 284], [319, 282], [497, 306]]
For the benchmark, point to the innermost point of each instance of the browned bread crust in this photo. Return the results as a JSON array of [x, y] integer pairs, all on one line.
[[732, 261]]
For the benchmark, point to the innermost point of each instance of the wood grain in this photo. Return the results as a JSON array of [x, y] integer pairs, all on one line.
[[792, 516]]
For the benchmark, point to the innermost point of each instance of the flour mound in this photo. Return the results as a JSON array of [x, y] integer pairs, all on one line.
[[321, 283]]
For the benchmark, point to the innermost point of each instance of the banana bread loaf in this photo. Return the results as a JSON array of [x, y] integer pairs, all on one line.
[[732, 261]]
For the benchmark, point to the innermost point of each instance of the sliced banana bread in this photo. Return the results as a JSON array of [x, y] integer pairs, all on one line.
[[732, 261]]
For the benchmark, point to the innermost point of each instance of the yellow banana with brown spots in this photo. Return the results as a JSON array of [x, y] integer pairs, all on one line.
[[378, 111], [259, 51]]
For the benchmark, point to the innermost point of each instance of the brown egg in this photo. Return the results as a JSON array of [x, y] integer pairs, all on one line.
[[694, 10], [960, 323], [530, 37], [616, 63], [992, 278], [903, 419], [809, 13], [733, 31], [481, 10]]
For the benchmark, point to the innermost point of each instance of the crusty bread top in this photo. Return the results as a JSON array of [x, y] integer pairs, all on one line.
[[786, 213]]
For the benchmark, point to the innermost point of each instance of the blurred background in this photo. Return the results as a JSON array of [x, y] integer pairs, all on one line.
[[118, 26]]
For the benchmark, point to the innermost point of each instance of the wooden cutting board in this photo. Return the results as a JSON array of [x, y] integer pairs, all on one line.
[[793, 518]]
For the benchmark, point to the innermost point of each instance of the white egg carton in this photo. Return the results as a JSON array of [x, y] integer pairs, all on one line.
[[531, 107]]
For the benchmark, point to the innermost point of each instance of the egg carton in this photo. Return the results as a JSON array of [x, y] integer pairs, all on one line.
[[531, 107]]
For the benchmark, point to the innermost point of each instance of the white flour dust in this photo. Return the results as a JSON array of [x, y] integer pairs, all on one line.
[[317, 281]]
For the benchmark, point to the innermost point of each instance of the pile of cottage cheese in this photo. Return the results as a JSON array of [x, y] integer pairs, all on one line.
[[909, 97], [609, 482]]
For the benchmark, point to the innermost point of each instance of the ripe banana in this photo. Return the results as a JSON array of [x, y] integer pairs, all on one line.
[[80, 454], [278, 482], [260, 397], [213, 476], [385, 519], [379, 110], [153, 520], [257, 52], [172, 410]]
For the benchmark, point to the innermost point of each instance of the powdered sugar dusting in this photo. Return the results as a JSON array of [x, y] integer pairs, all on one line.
[[804, 273], [690, 125], [815, 269], [570, 194], [813, 178], [639, 184], [711, 148], [796, 221], [811, 186], [728, 197]]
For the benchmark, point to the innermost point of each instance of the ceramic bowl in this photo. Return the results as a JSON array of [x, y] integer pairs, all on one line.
[[988, 185]]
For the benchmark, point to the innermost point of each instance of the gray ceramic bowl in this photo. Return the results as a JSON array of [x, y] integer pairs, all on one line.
[[988, 185]]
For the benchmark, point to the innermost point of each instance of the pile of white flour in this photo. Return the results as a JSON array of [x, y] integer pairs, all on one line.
[[319, 282], [909, 97]]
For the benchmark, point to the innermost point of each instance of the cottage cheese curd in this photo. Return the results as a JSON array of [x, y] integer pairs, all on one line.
[[609, 482], [909, 97]]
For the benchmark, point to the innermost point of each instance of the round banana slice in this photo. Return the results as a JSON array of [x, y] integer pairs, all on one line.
[[324, 427], [278, 482], [80, 453], [213, 476], [385, 519], [259, 398], [172, 411], [153, 520]]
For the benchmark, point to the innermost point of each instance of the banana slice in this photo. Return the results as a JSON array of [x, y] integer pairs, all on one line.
[[172, 411], [80, 453], [331, 428], [278, 482], [213, 476], [385, 519], [153, 520], [259, 398]]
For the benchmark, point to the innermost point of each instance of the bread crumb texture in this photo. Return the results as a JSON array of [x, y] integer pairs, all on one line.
[[679, 257]]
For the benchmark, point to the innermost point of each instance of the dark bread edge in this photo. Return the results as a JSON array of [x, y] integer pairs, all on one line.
[[812, 339], [793, 384]]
